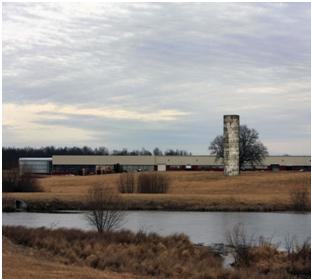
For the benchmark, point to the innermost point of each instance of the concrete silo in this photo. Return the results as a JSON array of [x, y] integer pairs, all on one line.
[[231, 144]]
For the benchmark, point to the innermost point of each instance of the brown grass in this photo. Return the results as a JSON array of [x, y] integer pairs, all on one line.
[[266, 258], [44, 253], [188, 190], [124, 252], [28, 263]]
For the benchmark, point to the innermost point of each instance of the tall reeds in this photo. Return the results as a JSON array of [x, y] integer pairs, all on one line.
[[145, 182], [123, 251]]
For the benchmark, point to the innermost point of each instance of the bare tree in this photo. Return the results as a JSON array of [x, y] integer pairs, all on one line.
[[105, 208], [157, 152], [252, 151], [122, 152], [177, 152], [217, 147]]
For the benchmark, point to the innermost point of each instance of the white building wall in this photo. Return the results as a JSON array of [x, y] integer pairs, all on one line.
[[161, 167]]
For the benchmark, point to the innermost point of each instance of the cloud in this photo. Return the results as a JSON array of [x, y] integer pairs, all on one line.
[[177, 66], [51, 123], [14, 113]]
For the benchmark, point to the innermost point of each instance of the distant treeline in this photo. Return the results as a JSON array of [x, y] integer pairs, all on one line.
[[10, 155]]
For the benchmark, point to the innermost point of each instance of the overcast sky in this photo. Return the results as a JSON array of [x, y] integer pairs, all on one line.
[[146, 75]]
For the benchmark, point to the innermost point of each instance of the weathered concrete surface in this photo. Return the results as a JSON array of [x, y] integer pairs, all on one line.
[[231, 144]]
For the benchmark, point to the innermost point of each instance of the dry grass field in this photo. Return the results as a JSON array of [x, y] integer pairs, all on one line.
[[188, 190]]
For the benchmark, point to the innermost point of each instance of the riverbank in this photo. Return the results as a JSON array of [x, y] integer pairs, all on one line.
[[167, 203], [193, 191], [25, 262], [140, 255], [123, 254]]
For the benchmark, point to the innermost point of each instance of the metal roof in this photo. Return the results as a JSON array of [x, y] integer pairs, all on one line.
[[168, 160]]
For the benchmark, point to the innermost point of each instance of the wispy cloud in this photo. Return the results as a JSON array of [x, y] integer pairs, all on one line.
[[14, 113]]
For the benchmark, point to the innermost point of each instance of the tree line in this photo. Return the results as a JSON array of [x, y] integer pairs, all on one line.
[[10, 155], [252, 150]]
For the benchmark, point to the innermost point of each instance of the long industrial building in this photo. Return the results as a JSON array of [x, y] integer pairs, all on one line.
[[76, 164]]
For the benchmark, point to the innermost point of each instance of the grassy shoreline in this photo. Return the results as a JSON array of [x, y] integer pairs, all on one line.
[[58, 205], [124, 254], [139, 254], [188, 191]]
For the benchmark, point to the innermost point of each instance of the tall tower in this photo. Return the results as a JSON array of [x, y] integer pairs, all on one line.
[[231, 144]]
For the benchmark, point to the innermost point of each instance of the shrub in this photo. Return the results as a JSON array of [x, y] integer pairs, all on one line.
[[299, 257], [300, 199], [242, 244], [8, 204], [152, 182], [10, 180], [126, 183], [13, 182], [28, 183]]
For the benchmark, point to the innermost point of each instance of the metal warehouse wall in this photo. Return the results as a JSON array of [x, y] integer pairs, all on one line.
[[35, 165]]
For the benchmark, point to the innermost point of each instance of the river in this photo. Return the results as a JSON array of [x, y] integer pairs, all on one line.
[[202, 227]]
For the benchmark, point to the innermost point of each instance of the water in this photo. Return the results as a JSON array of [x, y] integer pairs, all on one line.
[[202, 227]]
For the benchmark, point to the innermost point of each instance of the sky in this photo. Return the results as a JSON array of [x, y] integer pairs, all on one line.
[[155, 74]]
